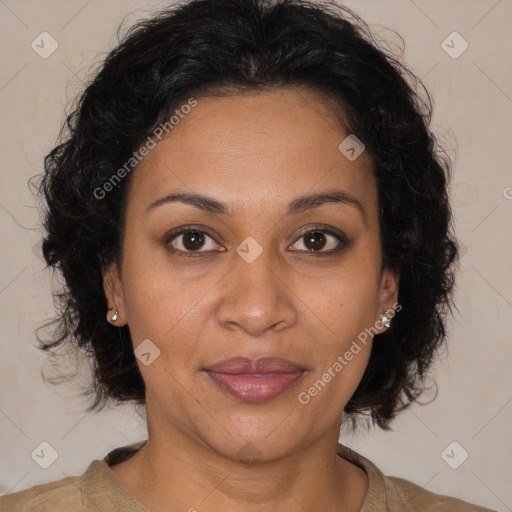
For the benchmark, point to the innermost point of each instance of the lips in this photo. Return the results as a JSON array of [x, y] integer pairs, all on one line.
[[262, 365], [255, 380]]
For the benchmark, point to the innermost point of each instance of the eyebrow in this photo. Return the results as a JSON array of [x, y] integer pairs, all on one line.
[[297, 205]]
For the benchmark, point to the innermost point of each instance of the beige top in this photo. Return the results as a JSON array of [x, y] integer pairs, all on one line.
[[99, 490]]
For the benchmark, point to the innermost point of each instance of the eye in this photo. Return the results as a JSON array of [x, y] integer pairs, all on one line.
[[316, 240], [188, 241], [195, 242]]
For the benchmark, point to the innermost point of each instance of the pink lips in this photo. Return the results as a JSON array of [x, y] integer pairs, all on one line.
[[255, 380]]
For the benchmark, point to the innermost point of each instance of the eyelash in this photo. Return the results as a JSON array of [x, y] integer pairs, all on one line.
[[344, 242]]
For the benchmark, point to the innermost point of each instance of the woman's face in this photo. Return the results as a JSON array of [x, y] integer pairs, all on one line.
[[249, 281]]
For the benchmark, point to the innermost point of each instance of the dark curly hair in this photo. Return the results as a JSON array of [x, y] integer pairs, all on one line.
[[210, 46]]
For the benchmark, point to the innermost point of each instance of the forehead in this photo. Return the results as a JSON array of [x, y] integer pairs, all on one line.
[[254, 149]]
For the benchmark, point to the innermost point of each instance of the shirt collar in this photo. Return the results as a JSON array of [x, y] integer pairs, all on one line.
[[376, 500], [99, 481]]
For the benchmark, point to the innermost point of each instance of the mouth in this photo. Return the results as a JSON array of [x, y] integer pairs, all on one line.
[[255, 380]]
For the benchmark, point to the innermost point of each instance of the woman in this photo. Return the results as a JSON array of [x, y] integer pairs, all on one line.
[[249, 192]]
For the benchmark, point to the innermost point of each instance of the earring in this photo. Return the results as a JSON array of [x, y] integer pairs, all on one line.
[[386, 321], [113, 318]]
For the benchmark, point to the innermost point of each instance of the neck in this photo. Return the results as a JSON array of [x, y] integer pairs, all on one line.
[[175, 472]]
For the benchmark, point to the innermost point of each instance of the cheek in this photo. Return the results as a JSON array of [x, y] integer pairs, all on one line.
[[344, 310], [154, 297], [340, 368], [160, 312], [163, 307], [345, 302]]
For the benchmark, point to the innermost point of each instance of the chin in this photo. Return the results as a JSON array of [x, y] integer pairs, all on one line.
[[254, 445]]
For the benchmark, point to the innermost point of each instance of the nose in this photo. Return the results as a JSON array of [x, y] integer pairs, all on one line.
[[255, 297]]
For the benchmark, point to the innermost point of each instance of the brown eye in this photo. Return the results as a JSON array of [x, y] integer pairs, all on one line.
[[315, 240], [192, 240], [320, 241]]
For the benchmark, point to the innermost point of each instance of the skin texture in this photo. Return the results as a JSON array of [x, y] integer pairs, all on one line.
[[256, 153]]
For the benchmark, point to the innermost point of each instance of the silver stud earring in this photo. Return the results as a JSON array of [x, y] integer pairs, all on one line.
[[386, 321], [113, 318]]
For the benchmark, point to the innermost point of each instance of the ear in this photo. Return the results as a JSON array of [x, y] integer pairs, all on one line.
[[388, 298], [112, 288]]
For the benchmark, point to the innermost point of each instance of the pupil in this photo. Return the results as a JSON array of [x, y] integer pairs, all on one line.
[[193, 240], [311, 240]]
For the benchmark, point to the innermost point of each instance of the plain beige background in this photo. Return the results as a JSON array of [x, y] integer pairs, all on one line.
[[473, 98]]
